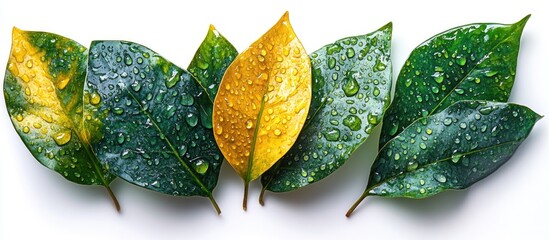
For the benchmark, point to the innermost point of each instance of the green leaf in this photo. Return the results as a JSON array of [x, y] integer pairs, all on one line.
[[43, 90], [145, 114], [209, 63], [472, 62], [351, 90], [449, 150], [211, 60]]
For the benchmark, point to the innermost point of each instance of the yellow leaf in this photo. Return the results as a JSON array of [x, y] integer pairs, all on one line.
[[263, 101]]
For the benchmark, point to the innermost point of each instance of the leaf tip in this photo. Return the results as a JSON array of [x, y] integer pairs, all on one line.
[[520, 24], [16, 32], [212, 28], [285, 19], [16, 29], [388, 26], [539, 117], [286, 16]]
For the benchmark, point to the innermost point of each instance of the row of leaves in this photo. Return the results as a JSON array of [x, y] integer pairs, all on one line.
[[121, 110]]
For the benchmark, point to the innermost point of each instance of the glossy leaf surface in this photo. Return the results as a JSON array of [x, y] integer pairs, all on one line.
[[472, 62], [43, 90], [146, 118], [351, 90], [211, 60], [450, 150], [263, 101]]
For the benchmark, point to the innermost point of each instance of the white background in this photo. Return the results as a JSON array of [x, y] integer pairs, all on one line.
[[512, 203]]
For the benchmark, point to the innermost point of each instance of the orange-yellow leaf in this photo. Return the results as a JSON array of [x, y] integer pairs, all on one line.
[[262, 101]]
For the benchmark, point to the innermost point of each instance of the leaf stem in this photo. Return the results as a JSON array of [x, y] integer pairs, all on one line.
[[245, 200], [261, 195], [355, 205], [113, 197], [214, 203]]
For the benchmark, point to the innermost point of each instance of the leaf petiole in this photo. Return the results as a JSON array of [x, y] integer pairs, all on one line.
[[245, 199], [358, 202], [113, 197]]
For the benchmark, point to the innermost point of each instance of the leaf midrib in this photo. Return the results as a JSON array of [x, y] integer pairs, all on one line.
[[435, 162], [170, 145], [471, 71], [256, 131], [453, 89], [74, 129]]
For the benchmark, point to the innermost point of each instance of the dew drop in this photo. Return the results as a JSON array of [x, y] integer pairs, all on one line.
[[351, 87], [187, 100], [201, 166], [412, 166], [461, 61], [173, 79], [26, 129], [249, 124], [490, 73], [486, 110], [331, 62], [439, 79], [456, 158], [182, 150], [352, 122], [373, 119], [136, 86], [277, 132], [440, 178], [191, 119], [202, 65], [118, 110], [120, 139], [447, 121], [29, 63], [350, 52], [332, 135], [334, 76], [422, 145], [408, 82], [128, 59], [63, 137], [459, 91], [376, 91], [379, 66], [394, 129]]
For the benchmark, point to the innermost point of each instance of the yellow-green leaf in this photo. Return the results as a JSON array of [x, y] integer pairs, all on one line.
[[263, 101], [43, 88]]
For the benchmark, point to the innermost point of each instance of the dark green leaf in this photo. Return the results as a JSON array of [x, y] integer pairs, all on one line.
[[450, 150], [472, 62], [146, 117], [351, 90], [43, 90], [211, 60], [209, 63]]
